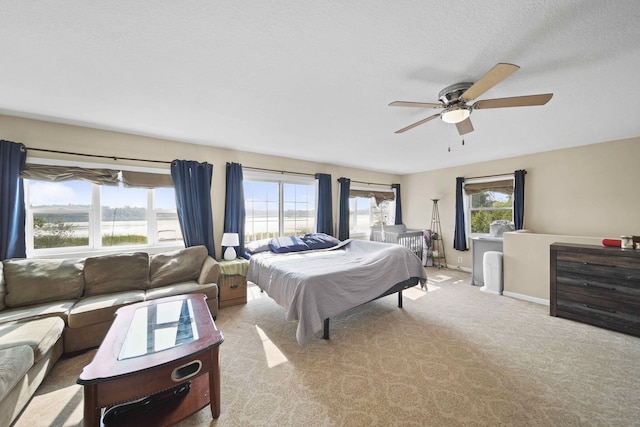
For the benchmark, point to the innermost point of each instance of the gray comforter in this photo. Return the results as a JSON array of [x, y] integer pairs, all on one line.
[[316, 285]]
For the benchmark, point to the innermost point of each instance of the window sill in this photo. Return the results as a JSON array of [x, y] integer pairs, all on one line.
[[86, 253]]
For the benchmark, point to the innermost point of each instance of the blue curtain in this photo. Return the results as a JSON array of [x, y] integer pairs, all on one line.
[[192, 183], [398, 204], [234, 213], [518, 199], [324, 220], [343, 209], [12, 209], [460, 235]]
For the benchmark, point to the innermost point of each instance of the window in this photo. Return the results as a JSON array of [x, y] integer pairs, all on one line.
[[365, 213], [278, 205], [78, 216], [488, 201]]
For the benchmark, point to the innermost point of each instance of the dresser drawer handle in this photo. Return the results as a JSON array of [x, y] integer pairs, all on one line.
[[598, 265], [606, 288], [593, 307], [233, 285]]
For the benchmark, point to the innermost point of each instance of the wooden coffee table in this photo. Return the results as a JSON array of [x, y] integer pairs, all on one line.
[[152, 347]]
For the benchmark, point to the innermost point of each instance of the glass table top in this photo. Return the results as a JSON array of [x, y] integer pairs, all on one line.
[[159, 327]]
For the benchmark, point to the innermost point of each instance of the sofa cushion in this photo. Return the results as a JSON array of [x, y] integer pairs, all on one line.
[[211, 290], [176, 266], [210, 271], [100, 308], [40, 334], [34, 281], [49, 309], [16, 362], [116, 273]]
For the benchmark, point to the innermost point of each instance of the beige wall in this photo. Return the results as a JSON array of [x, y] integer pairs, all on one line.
[[526, 262], [588, 191], [46, 135]]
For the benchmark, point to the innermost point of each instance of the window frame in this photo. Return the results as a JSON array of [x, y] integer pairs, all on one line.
[[281, 179], [391, 215], [467, 201], [94, 247]]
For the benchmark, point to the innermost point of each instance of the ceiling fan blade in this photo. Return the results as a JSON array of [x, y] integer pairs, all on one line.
[[516, 101], [418, 123], [465, 126], [490, 79], [415, 104]]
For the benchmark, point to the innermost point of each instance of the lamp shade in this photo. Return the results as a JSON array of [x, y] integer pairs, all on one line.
[[230, 239]]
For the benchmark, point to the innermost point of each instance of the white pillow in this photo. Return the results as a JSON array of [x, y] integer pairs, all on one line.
[[257, 246]]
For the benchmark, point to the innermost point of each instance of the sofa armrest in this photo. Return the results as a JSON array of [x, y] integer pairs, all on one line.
[[210, 271]]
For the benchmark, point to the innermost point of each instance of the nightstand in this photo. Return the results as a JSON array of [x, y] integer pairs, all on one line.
[[232, 284]]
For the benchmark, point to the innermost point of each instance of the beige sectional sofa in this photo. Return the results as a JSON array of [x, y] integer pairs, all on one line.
[[49, 307]]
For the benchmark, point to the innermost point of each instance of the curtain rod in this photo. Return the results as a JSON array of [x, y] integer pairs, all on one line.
[[277, 171], [370, 183], [490, 176], [306, 174], [97, 156]]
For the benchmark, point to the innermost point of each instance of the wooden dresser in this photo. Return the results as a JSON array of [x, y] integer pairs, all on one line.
[[596, 285]]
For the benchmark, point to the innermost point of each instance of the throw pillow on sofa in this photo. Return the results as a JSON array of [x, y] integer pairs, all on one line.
[[177, 266], [35, 281], [116, 273]]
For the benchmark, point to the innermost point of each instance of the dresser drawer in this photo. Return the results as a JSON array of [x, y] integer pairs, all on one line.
[[598, 265], [609, 313], [599, 287]]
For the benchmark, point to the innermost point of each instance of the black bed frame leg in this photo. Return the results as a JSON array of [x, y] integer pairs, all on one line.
[[399, 299], [325, 335]]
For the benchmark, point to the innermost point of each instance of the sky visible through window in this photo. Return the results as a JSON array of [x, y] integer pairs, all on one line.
[[255, 192], [43, 193]]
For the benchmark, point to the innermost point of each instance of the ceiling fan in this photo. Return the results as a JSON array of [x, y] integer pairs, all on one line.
[[455, 99]]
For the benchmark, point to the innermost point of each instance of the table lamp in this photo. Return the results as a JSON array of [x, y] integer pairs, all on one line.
[[229, 240]]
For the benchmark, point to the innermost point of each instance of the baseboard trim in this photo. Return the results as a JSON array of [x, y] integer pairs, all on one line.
[[459, 268], [526, 298]]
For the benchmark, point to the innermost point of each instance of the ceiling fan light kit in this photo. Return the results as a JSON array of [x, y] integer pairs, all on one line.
[[453, 99], [455, 114]]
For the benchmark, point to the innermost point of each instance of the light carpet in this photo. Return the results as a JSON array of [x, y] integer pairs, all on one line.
[[454, 356]]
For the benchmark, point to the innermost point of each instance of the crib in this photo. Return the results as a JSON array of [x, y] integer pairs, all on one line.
[[399, 234]]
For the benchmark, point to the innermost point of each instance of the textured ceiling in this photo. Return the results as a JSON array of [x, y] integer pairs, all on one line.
[[313, 79]]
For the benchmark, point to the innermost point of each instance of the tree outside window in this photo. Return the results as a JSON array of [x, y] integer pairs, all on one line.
[[488, 206]]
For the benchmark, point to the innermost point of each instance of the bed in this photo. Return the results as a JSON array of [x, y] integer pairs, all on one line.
[[315, 285]]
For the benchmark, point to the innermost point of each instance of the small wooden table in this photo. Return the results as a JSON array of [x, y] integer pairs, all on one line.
[[232, 283], [152, 347]]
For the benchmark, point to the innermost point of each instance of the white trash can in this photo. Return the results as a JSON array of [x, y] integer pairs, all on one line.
[[492, 272]]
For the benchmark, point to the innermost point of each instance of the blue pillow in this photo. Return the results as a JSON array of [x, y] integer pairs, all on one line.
[[282, 245], [320, 241]]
